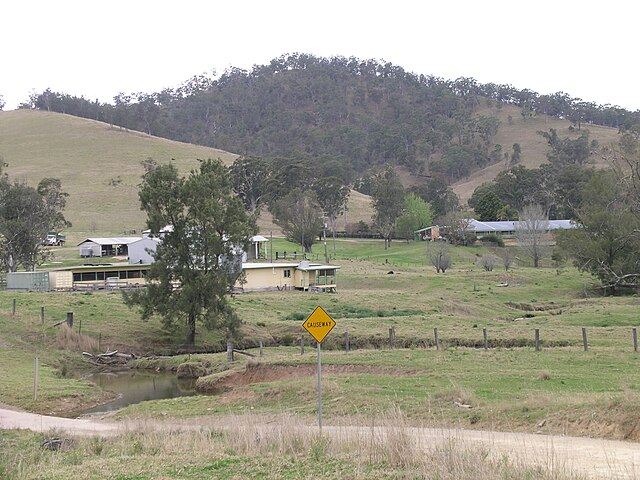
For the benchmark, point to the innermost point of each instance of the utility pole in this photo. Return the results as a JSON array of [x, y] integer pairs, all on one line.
[[324, 238]]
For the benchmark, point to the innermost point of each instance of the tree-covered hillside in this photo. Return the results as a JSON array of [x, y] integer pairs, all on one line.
[[363, 113]]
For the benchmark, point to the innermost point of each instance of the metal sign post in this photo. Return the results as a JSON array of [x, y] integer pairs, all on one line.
[[319, 324], [319, 390]]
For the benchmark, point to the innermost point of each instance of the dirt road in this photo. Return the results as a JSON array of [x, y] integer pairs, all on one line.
[[594, 458]]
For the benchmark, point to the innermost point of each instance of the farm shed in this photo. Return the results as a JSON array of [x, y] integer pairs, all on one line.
[[143, 250], [287, 276], [106, 246], [28, 281]]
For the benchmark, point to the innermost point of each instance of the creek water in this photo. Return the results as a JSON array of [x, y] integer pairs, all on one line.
[[135, 386]]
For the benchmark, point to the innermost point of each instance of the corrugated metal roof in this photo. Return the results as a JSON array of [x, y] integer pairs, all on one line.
[[111, 240], [510, 226], [255, 265], [150, 239], [106, 266], [311, 266]]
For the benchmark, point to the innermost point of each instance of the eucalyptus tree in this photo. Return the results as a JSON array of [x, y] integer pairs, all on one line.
[[250, 177], [27, 214], [199, 260], [332, 196], [388, 201], [299, 216]]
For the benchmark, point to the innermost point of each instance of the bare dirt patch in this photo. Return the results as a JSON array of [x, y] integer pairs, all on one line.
[[264, 373], [528, 307]]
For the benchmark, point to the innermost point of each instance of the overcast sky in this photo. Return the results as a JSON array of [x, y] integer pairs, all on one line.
[[100, 48]]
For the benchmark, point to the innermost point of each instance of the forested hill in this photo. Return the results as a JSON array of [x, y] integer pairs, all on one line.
[[362, 113]]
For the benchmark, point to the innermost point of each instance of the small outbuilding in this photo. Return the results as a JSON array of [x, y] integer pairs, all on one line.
[[287, 276], [106, 246], [258, 248], [428, 234]]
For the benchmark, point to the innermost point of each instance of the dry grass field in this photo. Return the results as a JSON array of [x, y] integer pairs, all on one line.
[[514, 128], [99, 165]]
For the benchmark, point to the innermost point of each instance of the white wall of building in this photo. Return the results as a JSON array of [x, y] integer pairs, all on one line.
[[141, 251]]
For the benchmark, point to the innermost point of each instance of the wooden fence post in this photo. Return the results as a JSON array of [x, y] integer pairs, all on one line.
[[435, 337], [485, 339], [13, 307], [635, 339], [347, 345], [537, 339], [260, 347], [36, 374], [301, 344], [584, 339], [392, 338], [229, 351], [70, 319], [41, 314]]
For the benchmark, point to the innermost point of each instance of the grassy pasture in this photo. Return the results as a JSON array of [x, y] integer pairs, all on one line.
[[510, 386]]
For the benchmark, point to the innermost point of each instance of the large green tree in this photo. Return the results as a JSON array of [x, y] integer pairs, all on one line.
[[27, 214], [607, 240], [417, 214], [438, 194], [387, 196], [332, 196], [488, 207], [300, 217], [199, 258], [250, 176]]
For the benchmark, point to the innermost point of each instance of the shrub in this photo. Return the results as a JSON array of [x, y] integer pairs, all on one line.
[[493, 239], [487, 262]]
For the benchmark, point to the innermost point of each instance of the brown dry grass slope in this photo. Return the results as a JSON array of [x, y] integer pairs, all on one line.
[[99, 165], [534, 147]]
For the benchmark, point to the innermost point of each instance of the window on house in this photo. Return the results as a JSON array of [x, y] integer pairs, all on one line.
[[287, 274]]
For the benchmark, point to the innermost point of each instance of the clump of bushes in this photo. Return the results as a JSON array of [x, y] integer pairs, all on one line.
[[493, 239]]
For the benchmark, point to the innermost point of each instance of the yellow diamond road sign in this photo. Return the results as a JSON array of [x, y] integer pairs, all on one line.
[[319, 324]]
